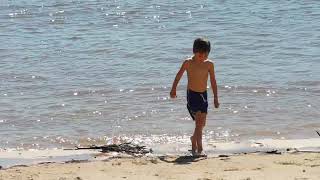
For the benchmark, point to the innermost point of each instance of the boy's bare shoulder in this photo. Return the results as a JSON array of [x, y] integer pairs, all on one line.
[[209, 62], [187, 61]]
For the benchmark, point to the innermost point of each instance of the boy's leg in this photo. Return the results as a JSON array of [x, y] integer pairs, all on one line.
[[194, 137], [200, 123], [194, 143]]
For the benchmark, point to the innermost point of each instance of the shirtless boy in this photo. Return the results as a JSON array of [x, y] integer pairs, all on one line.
[[198, 68]]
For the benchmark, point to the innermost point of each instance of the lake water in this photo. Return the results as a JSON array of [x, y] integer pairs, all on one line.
[[81, 72]]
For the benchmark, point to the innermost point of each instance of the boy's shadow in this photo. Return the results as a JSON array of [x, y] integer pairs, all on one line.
[[182, 160]]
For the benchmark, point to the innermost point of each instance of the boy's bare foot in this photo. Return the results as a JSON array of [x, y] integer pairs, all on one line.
[[194, 153], [198, 155]]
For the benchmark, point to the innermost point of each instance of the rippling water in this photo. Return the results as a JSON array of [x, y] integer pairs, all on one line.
[[81, 72]]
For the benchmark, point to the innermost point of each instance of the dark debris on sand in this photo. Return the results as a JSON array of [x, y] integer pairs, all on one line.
[[127, 148]]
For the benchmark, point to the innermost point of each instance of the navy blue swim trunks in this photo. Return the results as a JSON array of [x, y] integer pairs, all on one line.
[[197, 101]]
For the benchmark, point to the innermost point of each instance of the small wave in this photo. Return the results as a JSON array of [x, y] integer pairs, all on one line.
[[60, 4], [24, 13], [57, 21], [22, 77], [74, 38], [88, 92], [306, 86], [305, 83]]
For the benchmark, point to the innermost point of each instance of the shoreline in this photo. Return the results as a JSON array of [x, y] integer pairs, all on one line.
[[13, 157]]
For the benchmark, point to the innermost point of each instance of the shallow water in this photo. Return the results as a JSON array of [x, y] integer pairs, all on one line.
[[81, 72]]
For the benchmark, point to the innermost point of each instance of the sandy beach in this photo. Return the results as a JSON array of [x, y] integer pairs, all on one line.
[[291, 165]]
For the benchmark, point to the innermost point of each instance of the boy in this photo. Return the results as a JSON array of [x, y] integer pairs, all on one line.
[[198, 67]]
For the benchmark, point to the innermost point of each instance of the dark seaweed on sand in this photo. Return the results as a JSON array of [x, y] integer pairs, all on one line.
[[127, 148]]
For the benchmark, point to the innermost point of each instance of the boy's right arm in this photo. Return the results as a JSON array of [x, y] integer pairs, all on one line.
[[177, 79]]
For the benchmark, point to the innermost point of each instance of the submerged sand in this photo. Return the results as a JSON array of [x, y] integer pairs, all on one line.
[[293, 166]]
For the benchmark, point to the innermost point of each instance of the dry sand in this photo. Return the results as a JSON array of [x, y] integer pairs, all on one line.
[[293, 166]]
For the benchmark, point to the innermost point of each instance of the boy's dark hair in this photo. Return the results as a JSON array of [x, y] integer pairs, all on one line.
[[201, 45]]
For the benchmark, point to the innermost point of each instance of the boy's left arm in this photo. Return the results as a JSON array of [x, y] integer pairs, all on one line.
[[214, 84]]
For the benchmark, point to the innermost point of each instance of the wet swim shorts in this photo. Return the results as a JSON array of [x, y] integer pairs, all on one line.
[[197, 101]]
